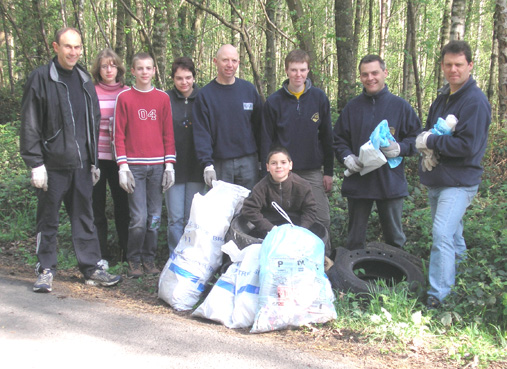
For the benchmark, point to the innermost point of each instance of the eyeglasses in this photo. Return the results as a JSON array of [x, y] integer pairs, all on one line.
[[106, 66]]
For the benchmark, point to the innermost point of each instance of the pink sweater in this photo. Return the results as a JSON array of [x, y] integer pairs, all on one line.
[[107, 99], [143, 128]]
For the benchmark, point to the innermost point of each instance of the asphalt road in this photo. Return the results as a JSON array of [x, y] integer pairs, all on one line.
[[49, 331]]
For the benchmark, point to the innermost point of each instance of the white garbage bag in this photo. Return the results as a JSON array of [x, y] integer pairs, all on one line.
[[198, 254], [233, 299]]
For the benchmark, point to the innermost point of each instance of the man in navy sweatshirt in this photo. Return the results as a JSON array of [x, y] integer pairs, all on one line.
[[385, 186], [227, 118], [454, 180], [298, 117]]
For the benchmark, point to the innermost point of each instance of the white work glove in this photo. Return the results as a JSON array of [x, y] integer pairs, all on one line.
[[391, 151], [210, 175], [95, 174], [429, 160], [127, 181], [40, 177], [168, 178], [420, 141], [353, 164]]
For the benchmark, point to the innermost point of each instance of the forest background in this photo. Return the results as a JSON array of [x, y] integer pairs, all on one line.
[[407, 34]]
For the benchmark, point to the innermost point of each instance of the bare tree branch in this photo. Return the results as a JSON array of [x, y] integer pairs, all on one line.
[[284, 35], [98, 23]]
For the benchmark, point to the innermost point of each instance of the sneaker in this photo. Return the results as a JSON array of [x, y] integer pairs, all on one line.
[[102, 278], [44, 281], [432, 303], [134, 270], [150, 268], [103, 264]]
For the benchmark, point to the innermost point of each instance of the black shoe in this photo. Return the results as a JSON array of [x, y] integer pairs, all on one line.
[[432, 303], [44, 281], [102, 278]]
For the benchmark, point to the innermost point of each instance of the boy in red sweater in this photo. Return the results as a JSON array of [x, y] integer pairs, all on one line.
[[145, 153]]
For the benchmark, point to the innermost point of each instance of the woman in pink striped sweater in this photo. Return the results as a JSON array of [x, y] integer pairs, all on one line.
[[108, 73]]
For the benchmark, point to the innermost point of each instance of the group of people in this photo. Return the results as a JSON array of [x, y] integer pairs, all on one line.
[[149, 144]]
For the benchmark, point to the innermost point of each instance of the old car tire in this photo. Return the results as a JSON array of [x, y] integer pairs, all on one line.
[[376, 265], [388, 249], [240, 229]]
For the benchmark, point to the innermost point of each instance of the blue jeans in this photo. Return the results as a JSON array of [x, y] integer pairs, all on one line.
[[448, 205], [145, 206], [243, 171], [178, 201]]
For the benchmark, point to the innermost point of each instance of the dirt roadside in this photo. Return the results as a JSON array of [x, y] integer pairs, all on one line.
[[140, 295]]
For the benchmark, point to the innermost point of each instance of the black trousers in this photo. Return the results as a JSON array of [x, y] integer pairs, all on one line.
[[109, 175], [74, 189], [389, 213]]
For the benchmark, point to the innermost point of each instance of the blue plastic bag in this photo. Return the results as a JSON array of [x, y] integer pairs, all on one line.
[[380, 138], [444, 126]]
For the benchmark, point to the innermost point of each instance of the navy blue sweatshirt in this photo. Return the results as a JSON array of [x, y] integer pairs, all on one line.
[[303, 126], [227, 121], [354, 126], [462, 152]]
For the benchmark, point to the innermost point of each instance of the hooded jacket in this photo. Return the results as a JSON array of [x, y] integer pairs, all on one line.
[[187, 167], [462, 152], [302, 126], [47, 125]]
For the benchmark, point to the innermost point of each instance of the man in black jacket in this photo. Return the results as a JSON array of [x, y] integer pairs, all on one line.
[[59, 131]]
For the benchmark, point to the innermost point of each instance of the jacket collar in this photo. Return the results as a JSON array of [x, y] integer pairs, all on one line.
[[446, 89], [179, 95], [308, 85], [53, 72], [379, 94]]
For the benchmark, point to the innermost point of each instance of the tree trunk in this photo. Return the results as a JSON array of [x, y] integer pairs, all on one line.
[[78, 14], [383, 22], [41, 34], [494, 57], [160, 42], [120, 30], [408, 76], [413, 53], [344, 11], [270, 53], [458, 19], [300, 24], [444, 39], [370, 26], [501, 13], [8, 52]]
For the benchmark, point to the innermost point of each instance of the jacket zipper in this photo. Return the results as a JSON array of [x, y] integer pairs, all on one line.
[[73, 124]]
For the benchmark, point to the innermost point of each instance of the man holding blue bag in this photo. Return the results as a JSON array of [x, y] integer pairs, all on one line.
[[387, 185]]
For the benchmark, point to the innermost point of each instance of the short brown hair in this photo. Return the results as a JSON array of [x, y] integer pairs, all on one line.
[[141, 56], [297, 56], [278, 150], [182, 62], [108, 53]]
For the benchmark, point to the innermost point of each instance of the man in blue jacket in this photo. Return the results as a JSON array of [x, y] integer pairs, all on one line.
[[227, 119], [59, 131], [298, 117], [454, 179], [385, 186]]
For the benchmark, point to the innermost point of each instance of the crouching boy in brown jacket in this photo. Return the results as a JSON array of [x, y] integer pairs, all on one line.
[[287, 189]]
